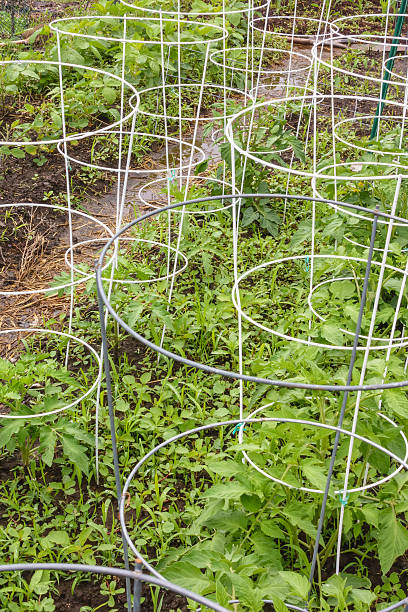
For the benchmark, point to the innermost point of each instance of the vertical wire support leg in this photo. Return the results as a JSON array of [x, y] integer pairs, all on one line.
[[344, 402], [119, 211], [113, 436], [370, 333], [187, 186], [137, 587], [68, 188]]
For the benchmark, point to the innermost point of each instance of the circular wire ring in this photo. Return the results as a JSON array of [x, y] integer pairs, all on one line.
[[222, 32], [188, 212], [135, 282], [241, 423], [180, 86], [199, 13], [263, 71], [80, 135], [71, 211], [346, 331], [143, 171], [362, 246], [335, 27], [119, 573], [264, 265], [320, 491], [357, 178], [391, 72], [297, 18], [229, 133], [317, 55], [218, 371], [353, 145], [71, 338]]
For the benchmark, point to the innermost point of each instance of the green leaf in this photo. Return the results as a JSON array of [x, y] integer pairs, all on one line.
[[343, 289], [188, 576], [58, 537], [28, 72], [75, 453], [266, 549], [246, 592], [249, 215], [109, 94], [229, 490], [302, 234], [12, 73], [336, 587], [227, 521], [251, 503], [206, 259], [299, 584], [19, 153], [371, 514], [71, 56], [332, 228], [36, 578], [356, 582], [145, 378], [201, 167], [64, 376], [362, 595], [297, 146], [75, 431], [273, 587], [268, 225], [234, 18], [296, 514], [133, 313], [393, 284], [225, 152], [396, 400], [279, 605], [8, 430], [332, 334], [270, 528], [84, 535], [315, 474], [199, 557], [221, 594], [39, 582], [392, 539], [226, 467], [48, 439], [57, 119]]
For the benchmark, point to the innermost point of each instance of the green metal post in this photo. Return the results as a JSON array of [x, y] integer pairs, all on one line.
[[389, 66]]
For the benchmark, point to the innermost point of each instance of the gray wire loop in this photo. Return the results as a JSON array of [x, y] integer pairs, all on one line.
[[114, 571], [241, 423], [219, 371]]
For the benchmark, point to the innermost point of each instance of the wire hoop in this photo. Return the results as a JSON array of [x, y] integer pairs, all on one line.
[[135, 576], [219, 32], [70, 338], [80, 135], [170, 140], [218, 371], [62, 286]]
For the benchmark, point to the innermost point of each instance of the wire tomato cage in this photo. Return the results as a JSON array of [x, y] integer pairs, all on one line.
[[246, 420]]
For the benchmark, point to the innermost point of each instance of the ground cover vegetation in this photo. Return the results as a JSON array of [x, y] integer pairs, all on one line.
[[206, 520]]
